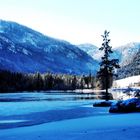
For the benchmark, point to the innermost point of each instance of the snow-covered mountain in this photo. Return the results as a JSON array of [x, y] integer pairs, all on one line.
[[25, 50], [124, 53], [128, 56]]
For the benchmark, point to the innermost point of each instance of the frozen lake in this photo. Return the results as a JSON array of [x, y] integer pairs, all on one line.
[[26, 109]]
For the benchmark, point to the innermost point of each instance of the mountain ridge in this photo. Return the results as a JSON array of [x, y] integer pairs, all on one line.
[[25, 50]]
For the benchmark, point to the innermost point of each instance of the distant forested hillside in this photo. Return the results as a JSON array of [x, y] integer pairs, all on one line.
[[14, 82]]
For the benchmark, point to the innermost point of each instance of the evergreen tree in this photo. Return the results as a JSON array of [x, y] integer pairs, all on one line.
[[107, 65], [74, 82]]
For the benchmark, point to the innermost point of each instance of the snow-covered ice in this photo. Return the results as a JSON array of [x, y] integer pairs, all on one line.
[[51, 116], [111, 127]]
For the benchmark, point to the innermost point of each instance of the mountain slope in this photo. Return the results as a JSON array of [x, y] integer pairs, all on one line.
[[128, 55], [25, 50], [133, 68], [92, 50]]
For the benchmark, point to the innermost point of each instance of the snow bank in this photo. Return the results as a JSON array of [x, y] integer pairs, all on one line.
[[126, 82]]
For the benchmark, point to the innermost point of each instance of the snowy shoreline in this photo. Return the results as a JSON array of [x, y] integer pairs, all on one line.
[[75, 91], [61, 91]]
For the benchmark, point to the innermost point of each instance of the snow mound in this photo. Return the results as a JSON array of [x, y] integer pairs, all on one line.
[[130, 105]]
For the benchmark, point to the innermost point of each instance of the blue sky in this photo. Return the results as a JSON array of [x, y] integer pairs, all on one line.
[[78, 21]]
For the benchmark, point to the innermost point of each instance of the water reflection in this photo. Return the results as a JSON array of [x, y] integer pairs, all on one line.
[[28, 97]]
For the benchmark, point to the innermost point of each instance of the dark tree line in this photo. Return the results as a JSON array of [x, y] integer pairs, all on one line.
[[14, 82]]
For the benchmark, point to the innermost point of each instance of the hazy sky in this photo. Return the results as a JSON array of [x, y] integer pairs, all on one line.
[[78, 21]]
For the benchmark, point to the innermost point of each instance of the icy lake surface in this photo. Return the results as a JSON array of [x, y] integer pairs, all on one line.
[[26, 109]]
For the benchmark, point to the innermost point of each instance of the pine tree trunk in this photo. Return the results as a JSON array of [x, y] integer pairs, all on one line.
[[106, 86]]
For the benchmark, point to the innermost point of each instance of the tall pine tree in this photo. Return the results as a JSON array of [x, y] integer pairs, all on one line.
[[107, 65]]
